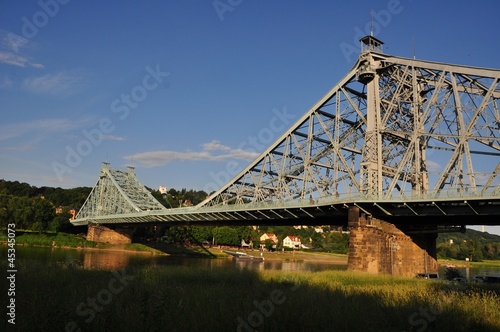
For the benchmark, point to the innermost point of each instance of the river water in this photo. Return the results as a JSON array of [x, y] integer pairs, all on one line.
[[114, 260]]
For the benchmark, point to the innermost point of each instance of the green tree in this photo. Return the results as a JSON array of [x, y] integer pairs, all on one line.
[[226, 235], [202, 233], [177, 234], [61, 222], [23, 212], [452, 273], [37, 227], [268, 244], [44, 212], [5, 212], [337, 242]]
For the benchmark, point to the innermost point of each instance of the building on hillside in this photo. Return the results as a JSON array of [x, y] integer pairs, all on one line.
[[268, 236], [61, 209], [187, 203], [292, 242]]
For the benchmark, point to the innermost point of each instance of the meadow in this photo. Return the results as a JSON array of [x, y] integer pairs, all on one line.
[[182, 298]]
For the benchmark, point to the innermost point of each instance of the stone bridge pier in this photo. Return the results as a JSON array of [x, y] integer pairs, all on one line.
[[376, 246], [100, 233]]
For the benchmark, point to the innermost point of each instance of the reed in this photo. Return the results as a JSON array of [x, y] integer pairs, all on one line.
[[183, 298]]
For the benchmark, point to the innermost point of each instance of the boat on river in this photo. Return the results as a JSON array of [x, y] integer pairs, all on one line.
[[243, 256]]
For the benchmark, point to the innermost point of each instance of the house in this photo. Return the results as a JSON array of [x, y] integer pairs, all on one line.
[[268, 236], [246, 245], [72, 212], [292, 242]]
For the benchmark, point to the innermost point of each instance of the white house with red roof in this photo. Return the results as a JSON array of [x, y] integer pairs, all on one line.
[[268, 236], [292, 242]]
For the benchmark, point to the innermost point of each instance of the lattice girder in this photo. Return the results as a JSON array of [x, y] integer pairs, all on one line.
[[391, 126], [118, 192]]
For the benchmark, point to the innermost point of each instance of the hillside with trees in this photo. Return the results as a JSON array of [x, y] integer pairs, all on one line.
[[472, 244], [33, 208]]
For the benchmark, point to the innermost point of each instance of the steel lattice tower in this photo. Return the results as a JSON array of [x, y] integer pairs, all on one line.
[[392, 127]]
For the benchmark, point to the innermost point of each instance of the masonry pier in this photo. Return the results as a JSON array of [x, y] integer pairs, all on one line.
[[376, 246], [118, 235]]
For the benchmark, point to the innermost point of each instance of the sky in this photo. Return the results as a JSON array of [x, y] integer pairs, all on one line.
[[190, 92]]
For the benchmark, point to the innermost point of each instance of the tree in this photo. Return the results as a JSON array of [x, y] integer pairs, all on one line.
[[44, 212], [177, 234], [337, 242], [5, 212], [226, 235], [202, 233], [268, 244], [61, 222], [37, 227], [22, 212], [452, 273]]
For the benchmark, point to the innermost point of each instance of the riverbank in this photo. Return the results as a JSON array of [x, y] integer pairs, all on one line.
[[462, 264], [78, 242], [72, 241], [190, 298]]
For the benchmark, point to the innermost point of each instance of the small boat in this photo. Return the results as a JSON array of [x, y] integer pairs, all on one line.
[[243, 256]]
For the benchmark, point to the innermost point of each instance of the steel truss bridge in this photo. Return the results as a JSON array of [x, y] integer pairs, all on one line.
[[405, 140]]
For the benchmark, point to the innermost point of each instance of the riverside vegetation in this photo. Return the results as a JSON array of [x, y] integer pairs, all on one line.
[[180, 298]]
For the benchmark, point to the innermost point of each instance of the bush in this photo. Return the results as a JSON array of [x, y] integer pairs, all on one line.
[[452, 273]]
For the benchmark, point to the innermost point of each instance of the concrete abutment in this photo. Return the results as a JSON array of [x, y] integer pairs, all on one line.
[[376, 246], [118, 235]]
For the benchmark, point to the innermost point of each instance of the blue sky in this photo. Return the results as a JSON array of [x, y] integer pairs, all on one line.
[[190, 91]]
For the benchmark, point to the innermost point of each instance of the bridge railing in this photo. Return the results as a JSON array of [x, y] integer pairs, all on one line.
[[450, 194]]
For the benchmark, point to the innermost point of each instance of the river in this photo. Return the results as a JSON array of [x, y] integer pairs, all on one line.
[[113, 260]]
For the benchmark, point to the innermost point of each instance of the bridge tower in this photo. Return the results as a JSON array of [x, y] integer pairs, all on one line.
[[379, 147]]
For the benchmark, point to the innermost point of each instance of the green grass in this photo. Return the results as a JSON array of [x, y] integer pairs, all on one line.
[[485, 263], [48, 239], [183, 298]]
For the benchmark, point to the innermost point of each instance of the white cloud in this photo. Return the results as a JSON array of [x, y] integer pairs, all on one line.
[[214, 146], [433, 166], [12, 41], [212, 151], [11, 45], [114, 138], [8, 131], [13, 59], [62, 83]]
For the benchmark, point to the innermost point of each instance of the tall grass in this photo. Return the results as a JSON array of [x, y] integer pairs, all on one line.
[[48, 239], [177, 298]]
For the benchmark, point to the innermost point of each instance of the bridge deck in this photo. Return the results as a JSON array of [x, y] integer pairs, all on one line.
[[445, 207]]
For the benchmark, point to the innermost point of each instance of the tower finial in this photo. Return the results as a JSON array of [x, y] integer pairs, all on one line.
[[371, 23], [414, 50]]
